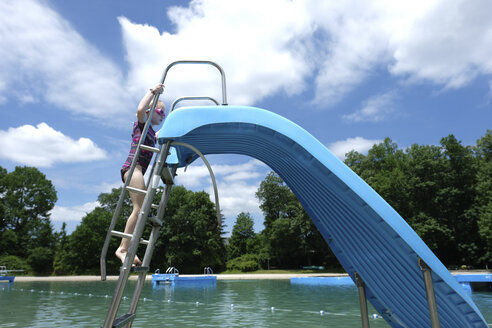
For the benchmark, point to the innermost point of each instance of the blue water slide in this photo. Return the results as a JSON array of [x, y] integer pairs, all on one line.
[[366, 234]]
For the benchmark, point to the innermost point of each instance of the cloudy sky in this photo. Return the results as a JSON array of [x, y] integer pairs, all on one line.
[[349, 72]]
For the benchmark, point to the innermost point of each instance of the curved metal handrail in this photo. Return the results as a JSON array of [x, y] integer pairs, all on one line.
[[207, 164], [222, 73], [191, 98], [172, 270]]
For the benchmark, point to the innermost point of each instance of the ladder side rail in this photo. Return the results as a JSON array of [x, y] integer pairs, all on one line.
[[154, 235], [134, 242], [206, 62], [121, 199]]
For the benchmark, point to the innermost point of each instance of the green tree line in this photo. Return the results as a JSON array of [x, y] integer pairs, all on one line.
[[443, 191]]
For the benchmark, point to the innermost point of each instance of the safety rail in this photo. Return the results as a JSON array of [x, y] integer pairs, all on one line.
[[192, 98], [222, 74], [172, 270]]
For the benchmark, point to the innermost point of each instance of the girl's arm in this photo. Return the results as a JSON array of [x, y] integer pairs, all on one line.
[[145, 102]]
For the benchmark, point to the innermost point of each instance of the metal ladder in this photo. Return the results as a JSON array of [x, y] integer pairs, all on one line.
[[161, 170]]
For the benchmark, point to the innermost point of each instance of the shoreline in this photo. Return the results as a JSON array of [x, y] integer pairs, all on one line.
[[230, 276]]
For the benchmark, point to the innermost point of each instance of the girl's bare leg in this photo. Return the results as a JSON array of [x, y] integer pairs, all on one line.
[[137, 181]]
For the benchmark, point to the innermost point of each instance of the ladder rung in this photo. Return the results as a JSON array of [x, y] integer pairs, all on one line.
[[155, 221], [124, 319], [149, 148], [127, 236], [167, 176], [155, 206], [138, 191], [139, 268]]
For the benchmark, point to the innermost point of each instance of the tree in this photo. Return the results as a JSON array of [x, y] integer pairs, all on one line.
[[290, 238], [191, 238], [3, 210], [242, 236], [274, 197], [434, 189], [27, 197], [483, 195], [83, 248]]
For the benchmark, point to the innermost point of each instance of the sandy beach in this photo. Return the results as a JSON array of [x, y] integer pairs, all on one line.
[[219, 277], [251, 276]]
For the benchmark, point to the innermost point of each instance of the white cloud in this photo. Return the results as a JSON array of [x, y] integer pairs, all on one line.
[[237, 197], [42, 146], [197, 174], [259, 54], [43, 57], [337, 43], [236, 184], [359, 144], [72, 213], [279, 48], [448, 44], [375, 109]]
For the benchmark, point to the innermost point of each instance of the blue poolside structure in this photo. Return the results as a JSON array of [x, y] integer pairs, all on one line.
[[166, 278], [469, 282], [400, 275], [322, 281], [172, 277], [6, 279]]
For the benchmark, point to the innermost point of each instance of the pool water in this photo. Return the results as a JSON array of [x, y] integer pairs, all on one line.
[[232, 303]]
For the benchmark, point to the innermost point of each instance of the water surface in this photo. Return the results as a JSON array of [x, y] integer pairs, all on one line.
[[240, 303]]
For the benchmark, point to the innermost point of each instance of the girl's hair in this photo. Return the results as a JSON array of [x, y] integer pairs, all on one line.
[[160, 104]]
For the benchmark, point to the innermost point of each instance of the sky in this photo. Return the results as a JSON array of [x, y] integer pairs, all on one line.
[[351, 73]]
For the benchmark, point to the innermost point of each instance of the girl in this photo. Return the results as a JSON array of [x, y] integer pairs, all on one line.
[[137, 179]]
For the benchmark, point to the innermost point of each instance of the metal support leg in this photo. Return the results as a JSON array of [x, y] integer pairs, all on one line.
[[362, 300], [431, 297]]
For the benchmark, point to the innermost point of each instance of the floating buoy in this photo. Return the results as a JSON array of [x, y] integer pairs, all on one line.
[[321, 312], [272, 308], [232, 305], [169, 301], [197, 303], [375, 316]]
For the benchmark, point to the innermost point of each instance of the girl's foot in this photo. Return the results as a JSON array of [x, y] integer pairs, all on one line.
[[121, 254]]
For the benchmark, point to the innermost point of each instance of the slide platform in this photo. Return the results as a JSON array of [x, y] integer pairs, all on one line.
[[366, 234]]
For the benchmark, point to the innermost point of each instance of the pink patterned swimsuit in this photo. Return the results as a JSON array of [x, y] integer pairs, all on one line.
[[145, 155]]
